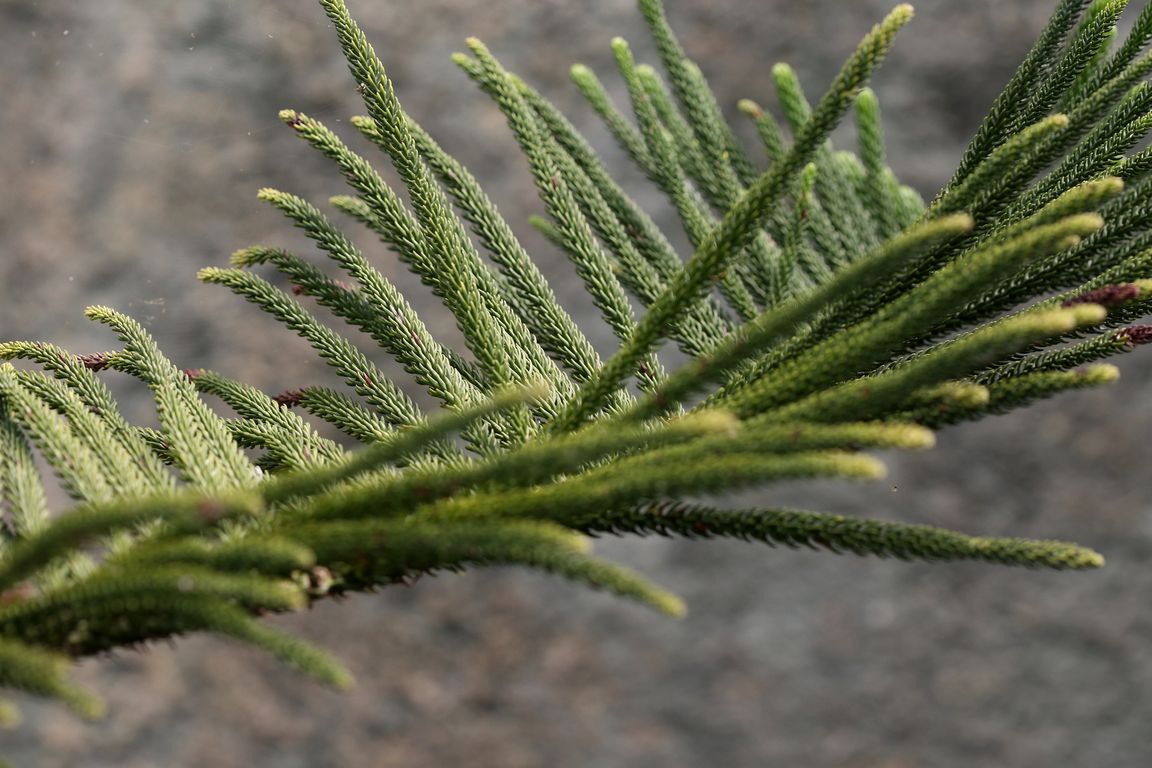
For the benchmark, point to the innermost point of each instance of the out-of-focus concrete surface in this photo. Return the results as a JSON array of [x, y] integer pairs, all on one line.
[[133, 136]]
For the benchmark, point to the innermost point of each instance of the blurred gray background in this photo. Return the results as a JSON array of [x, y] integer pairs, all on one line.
[[133, 137]]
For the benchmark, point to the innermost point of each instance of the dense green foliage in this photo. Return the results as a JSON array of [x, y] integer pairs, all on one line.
[[824, 310]]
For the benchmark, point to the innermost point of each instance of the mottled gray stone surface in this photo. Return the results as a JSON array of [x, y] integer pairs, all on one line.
[[133, 136]]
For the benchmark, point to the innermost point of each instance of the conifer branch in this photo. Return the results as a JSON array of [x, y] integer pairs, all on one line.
[[575, 232], [197, 439], [825, 311], [837, 533], [739, 226], [1010, 393], [1004, 113], [447, 243]]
